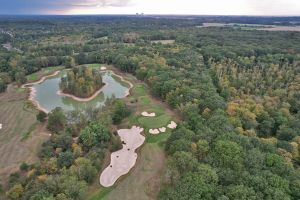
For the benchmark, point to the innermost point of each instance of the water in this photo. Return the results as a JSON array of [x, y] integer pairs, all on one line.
[[47, 97]]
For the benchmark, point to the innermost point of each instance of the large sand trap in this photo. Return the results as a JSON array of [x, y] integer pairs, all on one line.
[[172, 125], [103, 68], [154, 131], [123, 160], [146, 114]]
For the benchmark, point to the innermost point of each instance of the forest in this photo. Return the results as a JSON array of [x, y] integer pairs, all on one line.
[[81, 81], [237, 93]]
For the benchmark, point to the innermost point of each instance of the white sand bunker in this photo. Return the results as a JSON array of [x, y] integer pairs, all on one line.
[[0, 126], [146, 114], [172, 125], [123, 160], [162, 129], [154, 131], [103, 68]]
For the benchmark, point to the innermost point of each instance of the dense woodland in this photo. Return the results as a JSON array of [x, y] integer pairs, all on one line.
[[237, 91], [81, 81]]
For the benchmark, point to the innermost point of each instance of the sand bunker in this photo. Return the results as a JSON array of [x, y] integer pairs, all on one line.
[[123, 160], [103, 68], [0, 126], [146, 114], [154, 131], [172, 125], [162, 129]]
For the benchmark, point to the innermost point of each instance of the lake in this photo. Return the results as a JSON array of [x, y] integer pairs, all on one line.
[[45, 93]]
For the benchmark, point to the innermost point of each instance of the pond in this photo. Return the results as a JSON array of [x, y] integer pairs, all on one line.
[[44, 94]]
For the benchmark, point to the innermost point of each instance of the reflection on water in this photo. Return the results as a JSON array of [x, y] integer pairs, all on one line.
[[46, 93]]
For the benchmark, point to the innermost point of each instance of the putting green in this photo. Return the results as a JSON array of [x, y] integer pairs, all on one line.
[[155, 122]]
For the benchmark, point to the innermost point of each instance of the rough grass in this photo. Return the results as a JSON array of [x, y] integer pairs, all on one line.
[[43, 72], [18, 139], [143, 182], [94, 65], [100, 193], [139, 90]]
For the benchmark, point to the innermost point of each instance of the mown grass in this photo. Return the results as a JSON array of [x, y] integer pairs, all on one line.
[[43, 72], [101, 193], [139, 90], [94, 65], [155, 122], [162, 137]]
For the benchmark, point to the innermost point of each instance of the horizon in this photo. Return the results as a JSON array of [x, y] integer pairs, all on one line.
[[152, 7], [149, 15]]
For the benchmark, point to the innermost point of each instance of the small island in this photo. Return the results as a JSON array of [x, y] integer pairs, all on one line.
[[81, 82]]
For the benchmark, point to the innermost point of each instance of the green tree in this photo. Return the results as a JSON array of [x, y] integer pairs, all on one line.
[[69, 62], [15, 192], [84, 169], [227, 154], [94, 134], [120, 111], [57, 120], [65, 159], [41, 116], [240, 192], [192, 186]]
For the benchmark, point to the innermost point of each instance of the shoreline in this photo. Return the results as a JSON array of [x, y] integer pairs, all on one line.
[[32, 91], [61, 93]]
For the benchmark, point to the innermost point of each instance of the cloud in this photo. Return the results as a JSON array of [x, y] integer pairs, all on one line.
[[51, 6], [215, 7], [274, 7]]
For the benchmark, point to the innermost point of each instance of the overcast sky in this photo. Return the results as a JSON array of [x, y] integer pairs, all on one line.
[[198, 7]]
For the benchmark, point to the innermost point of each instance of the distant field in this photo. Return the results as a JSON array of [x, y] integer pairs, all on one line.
[[18, 139], [163, 41]]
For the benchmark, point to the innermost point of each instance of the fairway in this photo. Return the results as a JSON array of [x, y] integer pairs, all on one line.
[[17, 144], [143, 182]]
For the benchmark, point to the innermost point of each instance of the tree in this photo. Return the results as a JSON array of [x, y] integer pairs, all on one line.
[[72, 187], [192, 186], [81, 81], [57, 120], [41, 116], [240, 192], [3, 86], [16, 192], [20, 76], [94, 134], [65, 159], [286, 133], [227, 154], [120, 111], [69, 62], [24, 166], [84, 169]]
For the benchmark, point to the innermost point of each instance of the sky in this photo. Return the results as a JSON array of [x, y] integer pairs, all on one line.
[[190, 7]]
